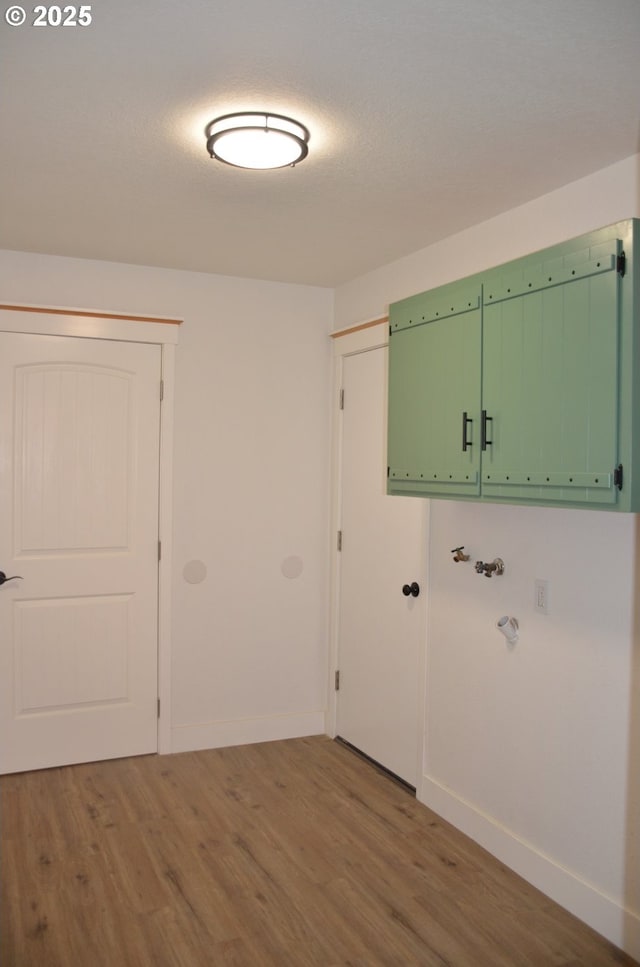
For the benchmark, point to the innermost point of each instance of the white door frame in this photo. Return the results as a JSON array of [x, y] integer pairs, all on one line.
[[53, 321], [369, 335]]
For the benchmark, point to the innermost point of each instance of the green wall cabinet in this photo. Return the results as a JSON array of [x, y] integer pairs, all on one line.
[[520, 384]]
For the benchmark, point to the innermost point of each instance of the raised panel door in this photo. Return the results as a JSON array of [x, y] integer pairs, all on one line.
[[79, 439]]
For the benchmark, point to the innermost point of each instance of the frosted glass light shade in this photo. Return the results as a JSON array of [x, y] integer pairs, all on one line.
[[254, 139]]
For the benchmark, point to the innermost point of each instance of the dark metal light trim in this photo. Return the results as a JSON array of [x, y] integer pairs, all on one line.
[[300, 137]]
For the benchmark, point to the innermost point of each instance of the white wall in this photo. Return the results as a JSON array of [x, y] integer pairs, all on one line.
[[250, 486], [605, 197], [534, 750]]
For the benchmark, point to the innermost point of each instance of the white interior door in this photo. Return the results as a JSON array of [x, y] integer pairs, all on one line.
[[381, 631], [79, 451]]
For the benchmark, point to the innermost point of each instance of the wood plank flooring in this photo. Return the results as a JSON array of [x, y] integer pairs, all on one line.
[[284, 854]]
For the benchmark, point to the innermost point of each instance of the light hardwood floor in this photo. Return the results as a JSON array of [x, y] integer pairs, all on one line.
[[284, 854]]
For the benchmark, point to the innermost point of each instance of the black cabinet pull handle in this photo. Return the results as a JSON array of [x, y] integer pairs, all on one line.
[[465, 422], [4, 578], [411, 589], [483, 430]]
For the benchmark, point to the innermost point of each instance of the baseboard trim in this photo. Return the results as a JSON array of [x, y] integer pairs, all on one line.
[[218, 734], [602, 913]]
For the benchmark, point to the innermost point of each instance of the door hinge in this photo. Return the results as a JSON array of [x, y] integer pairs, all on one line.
[[621, 264], [158, 708], [336, 681], [617, 477], [159, 550], [339, 540], [341, 399], [161, 390]]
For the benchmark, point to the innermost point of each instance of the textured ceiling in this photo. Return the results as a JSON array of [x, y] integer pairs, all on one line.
[[426, 116]]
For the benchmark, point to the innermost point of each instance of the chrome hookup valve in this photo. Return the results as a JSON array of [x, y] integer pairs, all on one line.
[[496, 567]]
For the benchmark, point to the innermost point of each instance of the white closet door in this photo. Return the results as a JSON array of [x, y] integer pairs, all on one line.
[[79, 449], [381, 631]]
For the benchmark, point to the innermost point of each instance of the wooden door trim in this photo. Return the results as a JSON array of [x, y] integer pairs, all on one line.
[[91, 315], [382, 321], [56, 321]]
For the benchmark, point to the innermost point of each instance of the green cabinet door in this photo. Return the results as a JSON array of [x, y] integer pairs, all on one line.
[[550, 378], [522, 383], [434, 393]]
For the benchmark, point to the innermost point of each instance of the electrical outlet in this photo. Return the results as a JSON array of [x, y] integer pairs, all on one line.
[[541, 596]]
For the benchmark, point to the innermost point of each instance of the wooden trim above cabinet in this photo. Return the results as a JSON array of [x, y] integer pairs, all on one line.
[[384, 320]]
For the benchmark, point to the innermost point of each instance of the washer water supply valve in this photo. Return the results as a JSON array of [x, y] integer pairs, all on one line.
[[458, 555], [496, 567]]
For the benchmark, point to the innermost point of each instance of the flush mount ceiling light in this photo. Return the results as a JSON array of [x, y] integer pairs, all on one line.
[[257, 139]]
